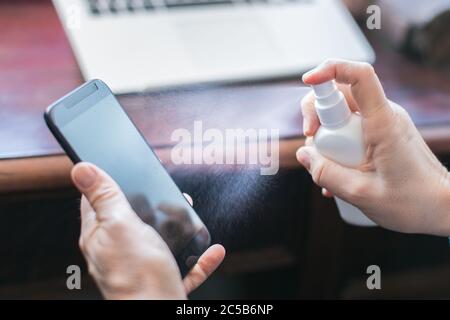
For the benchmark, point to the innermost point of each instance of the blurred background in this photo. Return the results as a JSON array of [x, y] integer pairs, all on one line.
[[230, 64]]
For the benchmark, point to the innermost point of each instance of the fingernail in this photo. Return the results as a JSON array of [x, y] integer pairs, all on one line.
[[304, 158], [307, 74], [305, 127], [84, 176]]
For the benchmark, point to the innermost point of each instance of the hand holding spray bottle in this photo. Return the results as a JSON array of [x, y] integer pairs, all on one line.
[[340, 138]]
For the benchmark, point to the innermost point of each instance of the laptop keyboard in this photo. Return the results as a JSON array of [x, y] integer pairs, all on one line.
[[98, 7]]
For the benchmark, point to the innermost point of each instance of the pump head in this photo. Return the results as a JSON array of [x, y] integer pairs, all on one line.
[[331, 106]]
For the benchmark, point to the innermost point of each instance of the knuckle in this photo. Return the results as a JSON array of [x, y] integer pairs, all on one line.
[[104, 193], [117, 223], [106, 254], [401, 121], [117, 281], [358, 190], [366, 69], [86, 247], [401, 112], [91, 269], [329, 62], [81, 244]]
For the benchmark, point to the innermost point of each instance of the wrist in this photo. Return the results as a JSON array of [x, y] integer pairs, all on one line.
[[142, 284], [145, 296], [147, 292]]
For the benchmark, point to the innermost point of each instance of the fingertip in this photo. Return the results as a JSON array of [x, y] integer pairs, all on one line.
[[317, 75], [311, 128], [306, 129], [208, 262], [214, 256], [81, 164], [219, 251], [304, 157], [189, 199], [84, 175], [326, 193], [308, 111], [306, 78]]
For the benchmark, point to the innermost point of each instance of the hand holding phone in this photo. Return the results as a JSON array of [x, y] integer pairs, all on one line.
[[126, 257], [91, 126]]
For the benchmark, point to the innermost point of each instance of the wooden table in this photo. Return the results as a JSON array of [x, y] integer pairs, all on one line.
[[37, 67]]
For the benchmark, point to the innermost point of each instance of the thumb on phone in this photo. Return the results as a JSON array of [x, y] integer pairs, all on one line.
[[101, 191]]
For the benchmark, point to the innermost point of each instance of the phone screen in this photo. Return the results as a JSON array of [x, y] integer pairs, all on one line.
[[104, 135]]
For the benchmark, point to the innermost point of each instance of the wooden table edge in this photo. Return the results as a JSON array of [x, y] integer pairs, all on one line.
[[52, 172]]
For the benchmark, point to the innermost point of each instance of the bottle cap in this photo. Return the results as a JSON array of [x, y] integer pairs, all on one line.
[[331, 106]]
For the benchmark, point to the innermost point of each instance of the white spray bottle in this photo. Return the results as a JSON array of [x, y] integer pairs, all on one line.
[[340, 138]]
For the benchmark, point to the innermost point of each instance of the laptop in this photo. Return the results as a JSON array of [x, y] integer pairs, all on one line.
[[139, 45]]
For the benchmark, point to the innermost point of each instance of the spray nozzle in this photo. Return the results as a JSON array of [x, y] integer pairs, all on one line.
[[324, 89], [331, 106]]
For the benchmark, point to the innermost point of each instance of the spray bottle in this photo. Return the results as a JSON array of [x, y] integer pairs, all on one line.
[[340, 138]]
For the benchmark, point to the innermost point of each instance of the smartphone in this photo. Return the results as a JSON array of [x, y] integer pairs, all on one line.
[[91, 125]]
